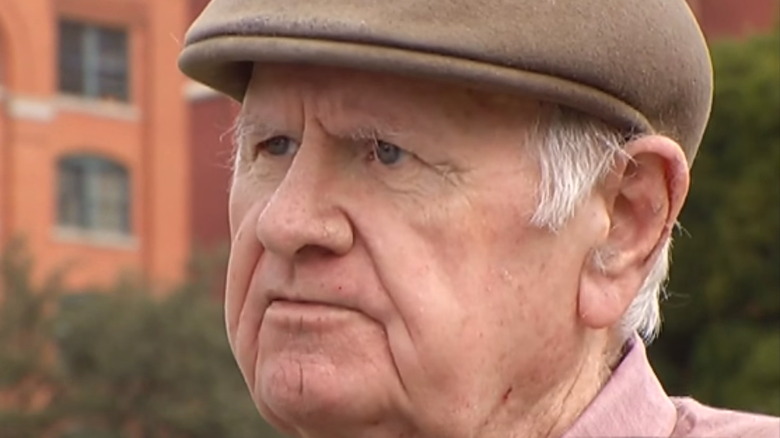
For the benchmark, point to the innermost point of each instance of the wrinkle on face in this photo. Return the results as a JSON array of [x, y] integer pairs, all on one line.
[[461, 295]]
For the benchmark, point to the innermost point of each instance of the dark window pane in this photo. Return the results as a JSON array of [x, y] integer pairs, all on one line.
[[113, 86], [111, 198], [71, 208], [93, 194], [93, 61], [112, 70], [71, 57]]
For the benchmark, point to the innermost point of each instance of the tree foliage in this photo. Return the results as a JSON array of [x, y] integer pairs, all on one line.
[[721, 336], [26, 381], [117, 363]]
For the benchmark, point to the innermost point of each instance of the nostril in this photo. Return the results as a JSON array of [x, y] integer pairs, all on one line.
[[314, 251]]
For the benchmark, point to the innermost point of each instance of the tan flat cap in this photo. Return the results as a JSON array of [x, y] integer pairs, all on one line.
[[641, 65]]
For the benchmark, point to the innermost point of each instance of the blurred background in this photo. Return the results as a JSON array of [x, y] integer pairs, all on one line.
[[114, 171]]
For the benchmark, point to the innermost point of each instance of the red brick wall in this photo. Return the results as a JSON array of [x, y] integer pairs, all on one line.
[[737, 18], [4, 142], [196, 6], [210, 121]]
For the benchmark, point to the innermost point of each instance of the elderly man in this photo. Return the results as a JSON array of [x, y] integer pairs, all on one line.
[[451, 218]]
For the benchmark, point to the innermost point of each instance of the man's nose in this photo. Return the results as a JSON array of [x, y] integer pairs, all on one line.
[[302, 213]]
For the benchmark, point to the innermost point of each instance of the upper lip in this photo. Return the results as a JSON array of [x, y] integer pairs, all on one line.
[[298, 301], [305, 299]]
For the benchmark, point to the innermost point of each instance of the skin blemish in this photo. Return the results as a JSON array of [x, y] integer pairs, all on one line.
[[300, 379], [505, 397]]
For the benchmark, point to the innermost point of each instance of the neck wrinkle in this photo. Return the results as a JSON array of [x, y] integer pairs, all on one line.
[[631, 403], [553, 414], [592, 374]]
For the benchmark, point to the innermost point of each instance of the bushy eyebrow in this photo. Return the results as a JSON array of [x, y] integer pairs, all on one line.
[[247, 126], [243, 127], [365, 134]]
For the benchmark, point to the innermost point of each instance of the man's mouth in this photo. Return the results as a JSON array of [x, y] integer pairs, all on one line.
[[303, 314]]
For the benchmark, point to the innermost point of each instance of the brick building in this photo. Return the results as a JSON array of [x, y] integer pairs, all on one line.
[[94, 136], [110, 158]]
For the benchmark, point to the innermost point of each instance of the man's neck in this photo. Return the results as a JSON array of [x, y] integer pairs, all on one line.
[[554, 413]]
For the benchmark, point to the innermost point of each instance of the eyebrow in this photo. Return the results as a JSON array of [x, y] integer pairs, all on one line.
[[248, 126], [245, 126]]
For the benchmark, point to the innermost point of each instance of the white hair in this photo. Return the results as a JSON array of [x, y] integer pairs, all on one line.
[[575, 153]]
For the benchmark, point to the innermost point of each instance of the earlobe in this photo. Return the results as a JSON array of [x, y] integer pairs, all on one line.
[[646, 197], [601, 299]]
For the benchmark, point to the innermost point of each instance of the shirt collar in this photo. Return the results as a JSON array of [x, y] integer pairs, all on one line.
[[632, 403]]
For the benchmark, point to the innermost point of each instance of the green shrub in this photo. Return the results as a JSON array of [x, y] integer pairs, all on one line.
[[721, 336], [126, 364]]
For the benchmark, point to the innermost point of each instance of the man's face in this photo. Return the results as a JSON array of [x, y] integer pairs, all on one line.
[[383, 273]]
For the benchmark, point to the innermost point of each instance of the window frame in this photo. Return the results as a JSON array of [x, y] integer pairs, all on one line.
[[96, 172], [90, 75]]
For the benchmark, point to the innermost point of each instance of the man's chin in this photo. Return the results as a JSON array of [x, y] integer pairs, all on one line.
[[311, 396], [322, 365], [318, 394]]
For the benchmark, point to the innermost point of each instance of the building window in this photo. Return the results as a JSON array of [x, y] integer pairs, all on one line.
[[94, 195], [93, 61]]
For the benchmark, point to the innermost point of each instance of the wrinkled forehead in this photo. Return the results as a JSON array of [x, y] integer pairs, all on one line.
[[394, 99]]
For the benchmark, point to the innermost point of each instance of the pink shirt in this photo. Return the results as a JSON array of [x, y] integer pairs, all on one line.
[[633, 404]]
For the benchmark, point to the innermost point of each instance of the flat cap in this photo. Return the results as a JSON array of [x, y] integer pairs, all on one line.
[[640, 65]]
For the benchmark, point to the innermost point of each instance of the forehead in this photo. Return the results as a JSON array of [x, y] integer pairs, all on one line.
[[387, 96]]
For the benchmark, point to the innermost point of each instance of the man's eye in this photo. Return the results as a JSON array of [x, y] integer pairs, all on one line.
[[278, 146], [387, 153]]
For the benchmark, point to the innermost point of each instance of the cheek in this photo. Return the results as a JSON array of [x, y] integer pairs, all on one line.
[[469, 274], [247, 194], [239, 203], [242, 313], [442, 266]]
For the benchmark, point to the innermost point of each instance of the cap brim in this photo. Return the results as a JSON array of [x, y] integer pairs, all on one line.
[[225, 63]]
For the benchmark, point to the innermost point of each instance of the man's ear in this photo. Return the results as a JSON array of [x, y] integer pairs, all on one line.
[[644, 196]]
